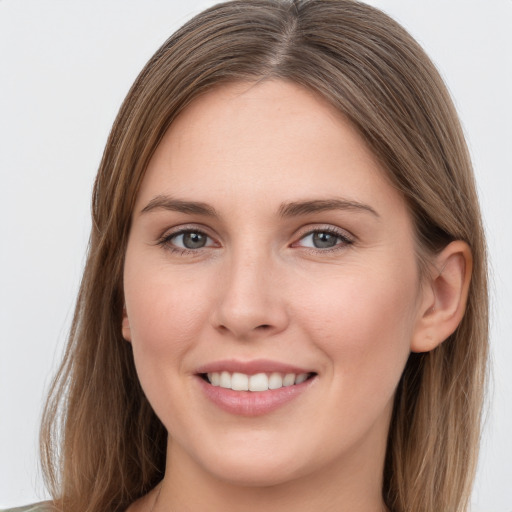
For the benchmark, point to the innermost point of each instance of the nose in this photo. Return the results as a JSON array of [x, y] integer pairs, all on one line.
[[251, 303]]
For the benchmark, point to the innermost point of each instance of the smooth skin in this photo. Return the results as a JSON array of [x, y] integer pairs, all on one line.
[[301, 252]]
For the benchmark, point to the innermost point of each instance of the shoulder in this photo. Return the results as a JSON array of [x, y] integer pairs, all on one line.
[[36, 507]]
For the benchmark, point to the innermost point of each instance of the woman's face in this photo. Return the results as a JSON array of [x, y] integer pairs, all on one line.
[[268, 247]]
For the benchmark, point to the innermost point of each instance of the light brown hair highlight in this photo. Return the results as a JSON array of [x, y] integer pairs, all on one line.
[[102, 445]]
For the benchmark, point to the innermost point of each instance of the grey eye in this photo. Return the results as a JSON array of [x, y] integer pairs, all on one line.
[[321, 240], [190, 240]]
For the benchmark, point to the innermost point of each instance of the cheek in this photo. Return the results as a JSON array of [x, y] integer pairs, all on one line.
[[166, 313], [364, 324], [166, 316]]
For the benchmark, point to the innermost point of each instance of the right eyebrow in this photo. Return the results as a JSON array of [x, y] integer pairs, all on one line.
[[162, 202]]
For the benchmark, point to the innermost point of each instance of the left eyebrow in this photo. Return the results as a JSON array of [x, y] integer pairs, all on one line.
[[178, 205], [298, 208]]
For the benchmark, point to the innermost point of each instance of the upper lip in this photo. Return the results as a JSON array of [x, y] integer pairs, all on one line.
[[251, 367]]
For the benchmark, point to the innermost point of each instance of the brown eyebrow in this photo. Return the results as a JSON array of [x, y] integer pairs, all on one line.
[[298, 208], [293, 209], [178, 205]]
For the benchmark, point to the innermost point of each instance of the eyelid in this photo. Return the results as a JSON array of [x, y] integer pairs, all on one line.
[[165, 239], [346, 237]]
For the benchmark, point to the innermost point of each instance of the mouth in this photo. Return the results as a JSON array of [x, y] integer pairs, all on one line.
[[258, 382], [253, 388]]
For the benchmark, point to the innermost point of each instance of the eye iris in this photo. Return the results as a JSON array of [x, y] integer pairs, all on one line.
[[323, 240], [194, 240]]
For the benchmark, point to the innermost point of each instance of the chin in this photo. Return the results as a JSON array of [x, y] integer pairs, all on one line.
[[256, 475], [254, 466]]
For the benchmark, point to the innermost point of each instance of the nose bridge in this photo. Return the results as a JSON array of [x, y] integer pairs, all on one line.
[[250, 301]]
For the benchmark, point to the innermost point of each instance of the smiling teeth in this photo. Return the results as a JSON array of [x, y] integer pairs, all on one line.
[[258, 382]]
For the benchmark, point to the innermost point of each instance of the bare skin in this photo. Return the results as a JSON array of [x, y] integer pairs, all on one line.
[[265, 230]]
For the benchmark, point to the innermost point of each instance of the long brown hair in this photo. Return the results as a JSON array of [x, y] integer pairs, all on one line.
[[102, 445]]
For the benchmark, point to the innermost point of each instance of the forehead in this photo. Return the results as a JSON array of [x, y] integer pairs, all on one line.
[[273, 141]]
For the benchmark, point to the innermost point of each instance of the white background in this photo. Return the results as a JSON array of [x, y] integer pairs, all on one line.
[[65, 67]]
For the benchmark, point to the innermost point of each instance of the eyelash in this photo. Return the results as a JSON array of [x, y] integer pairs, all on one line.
[[165, 241], [343, 241]]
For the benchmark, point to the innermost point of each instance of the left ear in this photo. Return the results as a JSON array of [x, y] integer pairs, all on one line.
[[444, 298], [125, 326]]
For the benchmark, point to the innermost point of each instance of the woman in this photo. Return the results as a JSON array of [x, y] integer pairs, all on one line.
[[284, 303]]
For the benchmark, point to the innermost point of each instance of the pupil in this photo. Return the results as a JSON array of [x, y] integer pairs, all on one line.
[[324, 240], [194, 240]]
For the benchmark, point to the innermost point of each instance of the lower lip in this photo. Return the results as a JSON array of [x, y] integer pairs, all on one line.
[[253, 403]]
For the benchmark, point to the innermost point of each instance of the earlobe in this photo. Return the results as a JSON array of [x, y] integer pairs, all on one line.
[[445, 302], [125, 326]]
